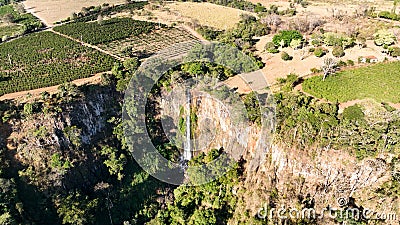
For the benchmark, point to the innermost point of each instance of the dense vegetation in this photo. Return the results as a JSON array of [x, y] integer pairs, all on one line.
[[303, 122], [102, 184], [108, 31], [208, 204], [16, 23], [389, 15], [332, 39], [379, 82], [285, 37], [6, 2], [45, 59], [242, 36]]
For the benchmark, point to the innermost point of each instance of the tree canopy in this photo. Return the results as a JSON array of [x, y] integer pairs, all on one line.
[[286, 36]]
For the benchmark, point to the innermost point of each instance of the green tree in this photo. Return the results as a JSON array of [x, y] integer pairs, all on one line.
[[115, 161], [271, 47], [384, 37], [353, 113], [296, 43], [204, 204], [73, 133], [285, 56], [203, 217], [253, 108], [28, 109], [332, 39], [76, 209], [68, 91], [395, 3], [6, 218], [394, 51], [287, 36], [338, 51], [319, 52], [8, 202], [131, 64]]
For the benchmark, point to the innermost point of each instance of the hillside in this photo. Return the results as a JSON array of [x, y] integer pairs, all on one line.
[[199, 113]]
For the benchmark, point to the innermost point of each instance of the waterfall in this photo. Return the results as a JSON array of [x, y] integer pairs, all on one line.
[[187, 153]]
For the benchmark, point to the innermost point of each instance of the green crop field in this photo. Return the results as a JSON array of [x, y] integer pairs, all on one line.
[[108, 31], [45, 59], [380, 82]]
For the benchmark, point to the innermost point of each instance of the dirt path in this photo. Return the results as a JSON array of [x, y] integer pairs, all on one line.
[[52, 89], [88, 45]]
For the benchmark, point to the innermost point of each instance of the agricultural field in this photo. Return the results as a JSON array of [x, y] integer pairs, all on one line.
[[109, 30], [147, 44], [46, 59], [52, 11], [126, 37], [380, 82]]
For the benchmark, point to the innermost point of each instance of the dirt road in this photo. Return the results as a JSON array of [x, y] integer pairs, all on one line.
[[53, 89]]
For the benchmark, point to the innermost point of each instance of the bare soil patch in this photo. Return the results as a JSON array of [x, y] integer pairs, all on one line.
[[51, 11], [204, 13]]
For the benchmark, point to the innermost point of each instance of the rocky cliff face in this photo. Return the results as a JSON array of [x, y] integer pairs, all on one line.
[[213, 125], [328, 177], [54, 145], [56, 150], [281, 176]]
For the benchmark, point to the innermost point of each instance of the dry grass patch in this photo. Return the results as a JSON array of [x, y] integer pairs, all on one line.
[[208, 14], [51, 11]]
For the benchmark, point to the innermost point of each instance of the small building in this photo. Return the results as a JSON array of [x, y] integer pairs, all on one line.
[[369, 59]]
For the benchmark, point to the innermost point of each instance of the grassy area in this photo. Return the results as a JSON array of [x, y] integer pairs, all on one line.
[[23, 22], [380, 82], [7, 9], [45, 59], [10, 30]]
